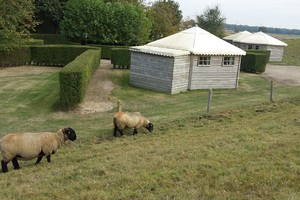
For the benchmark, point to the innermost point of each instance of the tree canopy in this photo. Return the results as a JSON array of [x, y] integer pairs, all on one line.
[[165, 16], [49, 13], [16, 20], [105, 23], [212, 21]]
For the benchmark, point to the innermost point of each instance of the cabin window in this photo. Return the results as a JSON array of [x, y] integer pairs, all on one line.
[[250, 46], [228, 61], [204, 61], [256, 47]]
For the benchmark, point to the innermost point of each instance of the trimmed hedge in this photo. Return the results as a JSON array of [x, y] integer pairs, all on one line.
[[255, 61], [120, 57], [58, 55], [106, 50], [50, 38], [31, 42], [17, 56], [74, 77]]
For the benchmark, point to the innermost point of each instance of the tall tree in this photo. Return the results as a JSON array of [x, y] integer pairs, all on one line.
[[212, 21], [165, 16], [50, 13], [16, 20], [105, 23]]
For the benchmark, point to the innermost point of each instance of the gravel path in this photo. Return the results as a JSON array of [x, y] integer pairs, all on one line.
[[99, 89], [289, 75]]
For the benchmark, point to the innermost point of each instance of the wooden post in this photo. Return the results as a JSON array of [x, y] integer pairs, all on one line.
[[271, 92], [209, 101], [119, 106]]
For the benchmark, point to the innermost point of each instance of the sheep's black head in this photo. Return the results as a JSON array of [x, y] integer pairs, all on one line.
[[149, 127], [70, 133]]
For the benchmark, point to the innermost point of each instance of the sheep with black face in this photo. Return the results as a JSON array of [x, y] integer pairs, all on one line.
[[133, 120], [27, 146]]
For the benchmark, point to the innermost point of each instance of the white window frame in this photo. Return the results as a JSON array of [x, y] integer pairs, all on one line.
[[228, 61], [250, 46], [204, 61]]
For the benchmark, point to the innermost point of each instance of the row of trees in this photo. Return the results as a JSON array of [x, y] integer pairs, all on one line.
[[122, 22]]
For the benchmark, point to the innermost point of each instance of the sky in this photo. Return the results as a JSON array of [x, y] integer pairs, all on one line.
[[268, 13]]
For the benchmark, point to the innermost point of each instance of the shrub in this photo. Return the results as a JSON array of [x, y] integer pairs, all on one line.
[[255, 61], [56, 54], [120, 57], [106, 50], [74, 77], [17, 56], [31, 42], [50, 38]]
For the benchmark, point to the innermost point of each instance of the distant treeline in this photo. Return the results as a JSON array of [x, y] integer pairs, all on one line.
[[238, 28]]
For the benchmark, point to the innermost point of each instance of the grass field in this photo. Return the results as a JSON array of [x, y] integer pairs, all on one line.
[[247, 148]]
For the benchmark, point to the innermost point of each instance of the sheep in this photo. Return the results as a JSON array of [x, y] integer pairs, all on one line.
[[27, 146], [134, 120]]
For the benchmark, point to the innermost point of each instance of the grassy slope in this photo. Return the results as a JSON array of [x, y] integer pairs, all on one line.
[[236, 153], [292, 52]]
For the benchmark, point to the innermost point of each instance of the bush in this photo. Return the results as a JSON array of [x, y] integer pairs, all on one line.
[[255, 61], [17, 56], [59, 55], [120, 57], [106, 50], [31, 42], [50, 38], [74, 77]]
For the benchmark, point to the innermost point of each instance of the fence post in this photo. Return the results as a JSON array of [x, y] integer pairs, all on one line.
[[272, 92], [119, 106], [209, 101]]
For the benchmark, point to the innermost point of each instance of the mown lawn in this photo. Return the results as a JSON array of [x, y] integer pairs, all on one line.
[[247, 148]]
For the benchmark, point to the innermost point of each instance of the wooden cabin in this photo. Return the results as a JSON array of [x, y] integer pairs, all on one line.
[[189, 60], [258, 41]]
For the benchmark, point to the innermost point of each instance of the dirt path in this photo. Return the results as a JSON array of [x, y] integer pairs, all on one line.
[[289, 75], [100, 87]]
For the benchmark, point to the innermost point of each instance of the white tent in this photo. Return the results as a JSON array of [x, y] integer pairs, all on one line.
[[190, 59]]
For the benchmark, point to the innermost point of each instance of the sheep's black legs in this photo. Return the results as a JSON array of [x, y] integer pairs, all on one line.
[[40, 157], [15, 163], [117, 129], [38, 160], [135, 131], [4, 166], [48, 158]]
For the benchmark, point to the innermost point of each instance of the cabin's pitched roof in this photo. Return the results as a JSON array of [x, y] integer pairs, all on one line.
[[256, 38], [191, 41], [238, 35]]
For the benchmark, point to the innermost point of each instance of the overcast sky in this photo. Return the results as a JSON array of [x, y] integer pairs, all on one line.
[[269, 13]]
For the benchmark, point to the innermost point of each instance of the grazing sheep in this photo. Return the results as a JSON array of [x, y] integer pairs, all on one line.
[[134, 120], [27, 146]]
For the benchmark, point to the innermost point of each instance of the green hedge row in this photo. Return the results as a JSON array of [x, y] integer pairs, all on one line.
[[75, 76], [52, 55], [106, 50], [255, 61], [58, 55], [50, 38], [17, 56], [120, 57], [31, 42]]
